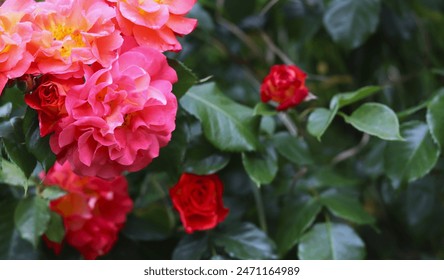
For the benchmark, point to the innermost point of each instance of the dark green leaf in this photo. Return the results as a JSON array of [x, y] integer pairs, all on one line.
[[412, 159], [5, 110], [202, 158], [346, 207], [246, 241], [31, 218], [191, 247], [292, 148], [186, 78], [377, 120], [331, 241], [261, 166], [351, 22], [319, 120], [56, 230], [262, 109], [435, 118], [229, 126], [11, 174], [343, 99], [294, 222], [12, 246], [37, 145]]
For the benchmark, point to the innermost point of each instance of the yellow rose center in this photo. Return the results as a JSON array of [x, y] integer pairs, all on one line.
[[71, 37]]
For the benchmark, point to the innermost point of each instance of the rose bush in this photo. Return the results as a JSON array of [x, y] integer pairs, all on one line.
[[162, 138]]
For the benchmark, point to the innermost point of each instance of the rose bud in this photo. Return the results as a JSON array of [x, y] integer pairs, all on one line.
[[198, 199], [285, 84]]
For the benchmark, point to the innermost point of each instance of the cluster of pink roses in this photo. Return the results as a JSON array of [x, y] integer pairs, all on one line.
[[102, 85]]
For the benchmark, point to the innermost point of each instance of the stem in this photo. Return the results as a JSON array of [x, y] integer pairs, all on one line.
[[268, 7], [289, 124], [260, 208], [352, 151], [411, 111]]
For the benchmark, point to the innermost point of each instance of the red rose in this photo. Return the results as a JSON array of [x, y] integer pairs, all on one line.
[[285, 84], [198, 199], [93, 210], [48, 99]]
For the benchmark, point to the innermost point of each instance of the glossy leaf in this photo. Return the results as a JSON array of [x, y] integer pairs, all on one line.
[[31, 218], [228, 125], [202, 158], [261, 166], [37, 145], [435, 118], [191, 247], [412, 159], [56, 230], [377, 120], [346, 207], [292, 148], [319, 120], [12, 246], [12, 175], [294, 222], [331, 241], [343, 99], [185, 78], [351, 22], [246, 242]]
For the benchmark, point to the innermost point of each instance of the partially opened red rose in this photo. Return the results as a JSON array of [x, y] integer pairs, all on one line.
[[198, 199], [285, 84]]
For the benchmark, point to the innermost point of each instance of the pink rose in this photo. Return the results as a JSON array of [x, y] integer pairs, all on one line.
[[69, 33], [155, 23], [120, 118], [15, 35]]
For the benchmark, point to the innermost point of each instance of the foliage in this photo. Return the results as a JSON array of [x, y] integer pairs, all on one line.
[[354, 173]]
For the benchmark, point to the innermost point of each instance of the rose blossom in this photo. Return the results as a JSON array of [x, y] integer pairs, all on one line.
[[198, 199], [155, 23], [48, 99], [93, 210], [69, 33], [15, 35], [120, 118], [285, 84]]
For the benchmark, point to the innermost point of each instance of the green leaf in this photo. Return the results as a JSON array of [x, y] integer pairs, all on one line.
[[191, 247], [261, 166], [412, 159], [31, 218], [435, 118], [12, 246], [229, 126], [56, 230], [5, 110], [35, 144], [343, 99], [294, 222], [292, 148], [246, 241], [202, 158], [375, 119], [346, 207], [351, 22], [186, 77], [262, 109], [14, 142], [11, 174], [331, 241], [51, 193], [319, 120]]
